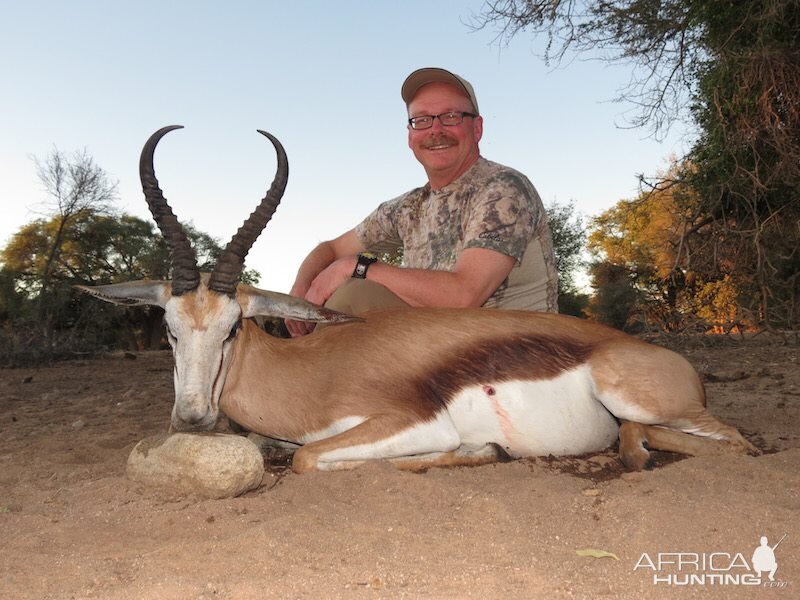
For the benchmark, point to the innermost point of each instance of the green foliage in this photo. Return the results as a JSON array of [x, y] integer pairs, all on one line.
[[656, 240], [100, 248], [615, 299], [733, 68], [746, 162], [96, 248], [575, 304], [643, 239], [569, 242], [11, 302]]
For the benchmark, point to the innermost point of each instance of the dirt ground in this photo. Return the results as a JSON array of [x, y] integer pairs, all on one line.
[[73, 526]]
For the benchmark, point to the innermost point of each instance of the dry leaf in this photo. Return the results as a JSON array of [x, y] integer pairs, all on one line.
[[596, 553]]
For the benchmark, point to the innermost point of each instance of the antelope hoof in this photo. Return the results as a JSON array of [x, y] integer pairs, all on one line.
[[633, 447], [742, 446], [637, 459], [304, 461]]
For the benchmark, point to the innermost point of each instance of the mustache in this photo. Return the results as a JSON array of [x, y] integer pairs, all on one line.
[[439, 139]]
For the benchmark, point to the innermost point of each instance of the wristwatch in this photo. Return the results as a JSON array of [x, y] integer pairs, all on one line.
[[365, 259]]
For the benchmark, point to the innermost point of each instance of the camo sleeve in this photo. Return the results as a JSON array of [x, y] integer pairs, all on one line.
[[503, 215], [378, 232]]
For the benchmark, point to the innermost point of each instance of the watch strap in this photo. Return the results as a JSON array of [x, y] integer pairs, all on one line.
[[365, 259]]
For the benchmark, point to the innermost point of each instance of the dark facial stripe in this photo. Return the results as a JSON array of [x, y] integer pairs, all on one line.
[[494, 361]]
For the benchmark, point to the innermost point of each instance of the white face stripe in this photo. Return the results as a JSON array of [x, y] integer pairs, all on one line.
[[200, 325]]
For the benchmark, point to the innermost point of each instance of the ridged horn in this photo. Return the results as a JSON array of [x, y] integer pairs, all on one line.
[[229, 267], [185, 274]]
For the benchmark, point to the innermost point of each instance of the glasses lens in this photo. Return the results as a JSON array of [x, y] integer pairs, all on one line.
[[451, 118], [421, 122]]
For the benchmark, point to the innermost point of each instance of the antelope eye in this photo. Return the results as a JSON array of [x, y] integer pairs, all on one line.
[[234, 330]]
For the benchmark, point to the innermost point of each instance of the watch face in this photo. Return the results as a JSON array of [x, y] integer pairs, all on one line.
[[365, 259]]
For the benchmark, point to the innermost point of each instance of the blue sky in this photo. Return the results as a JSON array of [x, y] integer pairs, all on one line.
[[322, 76]]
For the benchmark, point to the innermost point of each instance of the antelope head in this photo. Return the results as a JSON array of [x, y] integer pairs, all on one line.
[[204, 312]]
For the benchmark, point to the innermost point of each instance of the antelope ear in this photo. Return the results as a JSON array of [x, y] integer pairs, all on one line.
[[131, 293], [255, 302]]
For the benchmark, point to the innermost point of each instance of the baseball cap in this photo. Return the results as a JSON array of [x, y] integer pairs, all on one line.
[[428, 75]]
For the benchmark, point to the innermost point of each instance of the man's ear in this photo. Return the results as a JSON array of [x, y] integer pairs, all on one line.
[[477, 128]]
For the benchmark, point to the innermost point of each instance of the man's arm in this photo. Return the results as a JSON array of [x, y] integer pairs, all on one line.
[[320, 258], [477, 273]]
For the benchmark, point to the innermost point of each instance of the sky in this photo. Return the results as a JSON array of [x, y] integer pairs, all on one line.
[[324, 77]]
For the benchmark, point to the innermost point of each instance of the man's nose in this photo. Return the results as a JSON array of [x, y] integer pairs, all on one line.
[[437, 124]]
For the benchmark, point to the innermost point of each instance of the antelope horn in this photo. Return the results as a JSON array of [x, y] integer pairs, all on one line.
[[185, 274], [229, 267]]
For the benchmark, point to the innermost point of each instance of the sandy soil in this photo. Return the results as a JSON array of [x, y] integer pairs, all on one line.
[[72, 525]]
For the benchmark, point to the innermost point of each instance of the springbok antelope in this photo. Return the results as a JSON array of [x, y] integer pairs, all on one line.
[[420, 387]]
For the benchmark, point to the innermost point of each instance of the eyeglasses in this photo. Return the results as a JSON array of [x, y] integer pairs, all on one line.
[[448, 119]]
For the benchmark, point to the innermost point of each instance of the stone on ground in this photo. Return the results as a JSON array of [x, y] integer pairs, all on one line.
[[210, 465]]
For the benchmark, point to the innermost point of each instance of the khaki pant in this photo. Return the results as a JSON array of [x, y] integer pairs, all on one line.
[[357, 296]]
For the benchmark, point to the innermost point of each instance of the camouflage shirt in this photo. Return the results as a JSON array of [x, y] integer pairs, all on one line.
[[490, 206]]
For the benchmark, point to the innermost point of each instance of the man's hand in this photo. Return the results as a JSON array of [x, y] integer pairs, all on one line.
[[299, 328], [321, 288], [318, 278], [329, 280]]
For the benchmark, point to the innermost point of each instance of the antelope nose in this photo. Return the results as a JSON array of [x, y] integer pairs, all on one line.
[[191, 414]]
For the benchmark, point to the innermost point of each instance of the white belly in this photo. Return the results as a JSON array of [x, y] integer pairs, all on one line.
[[535, 418]]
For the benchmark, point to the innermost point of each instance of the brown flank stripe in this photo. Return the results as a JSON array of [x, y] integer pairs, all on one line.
[[490, 362]]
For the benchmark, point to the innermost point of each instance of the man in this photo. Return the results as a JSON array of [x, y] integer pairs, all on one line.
[[475, 235]]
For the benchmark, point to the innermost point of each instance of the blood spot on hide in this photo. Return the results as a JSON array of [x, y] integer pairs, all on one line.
[[488, 390]]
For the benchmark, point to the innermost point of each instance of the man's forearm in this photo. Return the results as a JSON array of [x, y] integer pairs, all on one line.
[[419, 287], [476, 275], [316, 262]]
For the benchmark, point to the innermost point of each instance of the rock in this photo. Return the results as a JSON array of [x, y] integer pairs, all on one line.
[[210, 465]]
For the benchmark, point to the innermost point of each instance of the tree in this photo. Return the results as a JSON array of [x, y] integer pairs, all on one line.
[[96, 248], [569, 241], [666, 251], [76, 185], [615, 299], [80, 239], [661, 41], [734, 69], [11, 301], [637, 246], [746, 161]]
